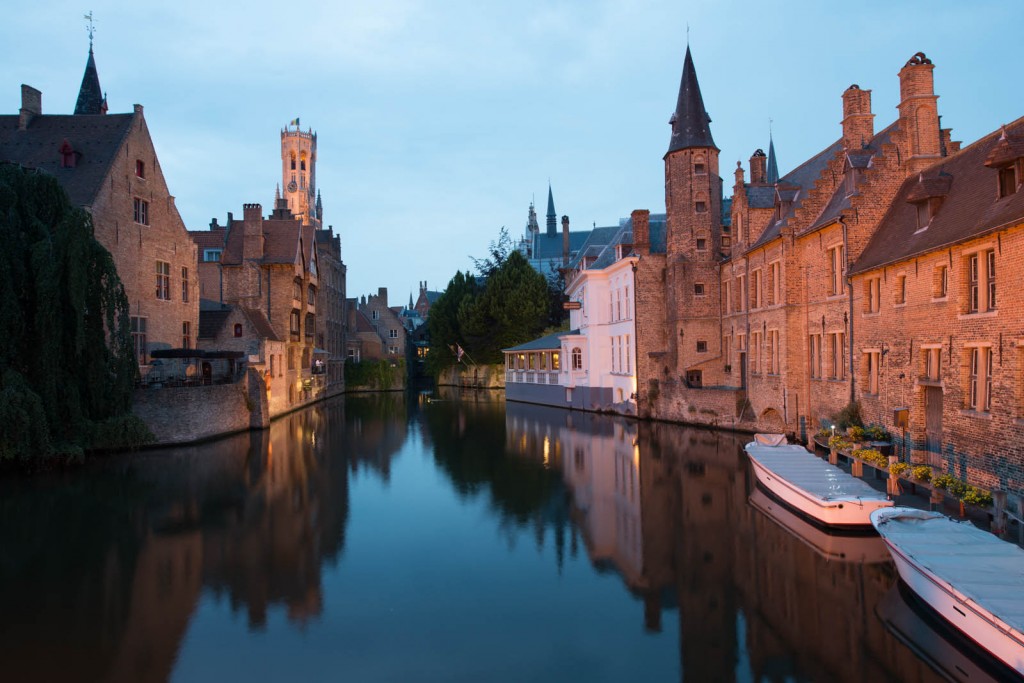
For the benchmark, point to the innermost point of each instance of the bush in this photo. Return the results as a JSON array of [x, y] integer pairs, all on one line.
[[839, 442], [948, 482], [872, 456], [823, 433], [877, 433], [856, 433], [976, 496], [848, 416], [899, 469], [922, 473]]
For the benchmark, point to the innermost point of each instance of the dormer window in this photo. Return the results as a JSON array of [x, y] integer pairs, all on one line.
[[924, 215], [1007, 180], [1007, 158], [67, 155]]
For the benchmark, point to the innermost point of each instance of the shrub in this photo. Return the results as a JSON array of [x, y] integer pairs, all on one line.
[[976, 496], [848, 416], [877, 433], [922, 473], [899, 468], [872, 456], [823, 433], [951, 484], [839, 442], [856, 433]]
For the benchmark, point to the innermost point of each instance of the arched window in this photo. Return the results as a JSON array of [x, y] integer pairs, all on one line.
[[293, 161], [302, 162], [577, 358]]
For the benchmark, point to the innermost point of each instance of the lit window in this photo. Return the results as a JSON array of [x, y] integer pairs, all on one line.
[[577, 358]]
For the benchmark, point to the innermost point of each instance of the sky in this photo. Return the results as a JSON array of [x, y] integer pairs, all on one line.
[[439, 121]]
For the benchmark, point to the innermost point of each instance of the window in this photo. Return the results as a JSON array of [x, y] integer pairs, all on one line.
[[302, 163], [931, 357], [755, 288], [815, 353], [698, 289], [1007, 181], [940, 282], [726, 242], [555, 363], [141, 215], [629, 356], [775, 291], [393, 334], [702, 244], [981, 281], [694, 378], [837, 266], [293, 161], [872, 358], [577, 358], [618, 304], [741, 288], [727, 351], [311, 295], [773, 352], [700, 206], [293, 325], [163, 280], [186, 335], [297, 290], [900, 290], [184, 284], [698, 166], [872, 287], [211, 255], [238, 329], [979, 390], [140, 169], [702, 347], [728, 296], [837, 355], [755, 352], [310, 326], [139, 338], [375, 315], [531, 361]]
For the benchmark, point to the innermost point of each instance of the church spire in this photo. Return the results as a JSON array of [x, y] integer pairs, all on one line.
[[319, 207], [552, 216], [90, 95], [690, 122], [773, 167]]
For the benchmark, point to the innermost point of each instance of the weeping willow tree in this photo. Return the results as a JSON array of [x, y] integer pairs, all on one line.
[[67, 365]]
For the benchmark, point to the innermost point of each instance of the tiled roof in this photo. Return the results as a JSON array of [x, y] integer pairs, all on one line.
[[209, 239], [551, 342], [212, 320], [259, 321], [969, 209], [95, 139], [280, 245]]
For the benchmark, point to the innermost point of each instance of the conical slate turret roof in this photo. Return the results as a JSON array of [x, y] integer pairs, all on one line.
[[773, 166], [90, 95], [552, 216], [690, 122]]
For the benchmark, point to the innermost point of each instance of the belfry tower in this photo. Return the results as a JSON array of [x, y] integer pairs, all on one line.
[[298, 173]]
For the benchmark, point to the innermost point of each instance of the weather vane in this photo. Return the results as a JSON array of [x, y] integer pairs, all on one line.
[[91, 28]]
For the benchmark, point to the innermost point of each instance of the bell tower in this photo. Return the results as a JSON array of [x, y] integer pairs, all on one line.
[[298, 172]]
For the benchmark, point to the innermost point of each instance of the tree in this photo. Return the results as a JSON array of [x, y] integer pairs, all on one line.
[[443, 323], [497, 251], [67, 364]]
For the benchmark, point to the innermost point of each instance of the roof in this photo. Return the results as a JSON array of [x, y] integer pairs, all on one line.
[[551, 342], [209, 239], [690, 122], [90, 95], [656, 231], [212, 320], [594, 245], [259, 321], [969, 209], [773, 166], [547, 246], [95, 140], [280, 240]]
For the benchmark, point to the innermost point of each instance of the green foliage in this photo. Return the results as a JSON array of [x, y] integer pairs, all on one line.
[[848, 417], [976, 496], [872, 456], [378, 374], [899, 468], [948, 482], [66, 355], [856, 433], [877, 433], [823, 433], [922, 473], [839, 442]]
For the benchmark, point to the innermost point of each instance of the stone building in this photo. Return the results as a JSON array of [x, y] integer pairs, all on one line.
[[362, 342], [386, 323], [108, 166], [331, 321], [747, 315]]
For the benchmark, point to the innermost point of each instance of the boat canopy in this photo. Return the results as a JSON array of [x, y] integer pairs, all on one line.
[[812, 474]]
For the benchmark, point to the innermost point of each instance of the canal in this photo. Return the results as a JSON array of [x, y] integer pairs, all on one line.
[[441, 538]]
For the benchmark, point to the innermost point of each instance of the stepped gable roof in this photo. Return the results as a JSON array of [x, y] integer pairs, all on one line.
[[90, 95], [552, 342], [691, 125], [969, 209], [95, 140], [793, 187]]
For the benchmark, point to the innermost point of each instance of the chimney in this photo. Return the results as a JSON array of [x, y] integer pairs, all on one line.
[[858, 121], [565, 241], [758, 168], [382, 296], [919, 114], [31, 106], [252, 232], [641, 231]]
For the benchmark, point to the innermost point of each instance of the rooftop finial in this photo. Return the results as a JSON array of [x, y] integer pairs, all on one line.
[[687, 34], [91, 29]]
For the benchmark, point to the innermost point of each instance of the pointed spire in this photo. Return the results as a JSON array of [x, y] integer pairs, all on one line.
[[411, 305], [90, 96], [277, 194], [319, 207], [690, 122], [552, 216], [773, 167]]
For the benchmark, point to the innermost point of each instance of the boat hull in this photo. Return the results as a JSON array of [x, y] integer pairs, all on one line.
[[848, 514]]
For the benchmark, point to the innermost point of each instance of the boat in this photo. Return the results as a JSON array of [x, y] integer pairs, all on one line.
[[834, 547], [970, 578], [812, 487]]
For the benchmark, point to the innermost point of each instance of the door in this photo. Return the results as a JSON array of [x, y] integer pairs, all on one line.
[[933, 424]]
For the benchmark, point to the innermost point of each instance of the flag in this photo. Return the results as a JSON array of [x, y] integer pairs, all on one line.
[[294, 122], [459, 353]]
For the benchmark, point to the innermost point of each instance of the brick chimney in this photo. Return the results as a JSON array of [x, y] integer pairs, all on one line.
[[919, 114], [252, 232], [858, 121], [565, 241], [382, 296], [31, 106], [758, 168], [641, 231]]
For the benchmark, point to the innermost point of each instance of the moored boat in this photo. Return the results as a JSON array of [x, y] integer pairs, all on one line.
[[970, 578], [812, 487]]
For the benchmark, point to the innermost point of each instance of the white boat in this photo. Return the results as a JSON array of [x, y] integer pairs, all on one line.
[[834, 547], [811, 486], [969, 577]]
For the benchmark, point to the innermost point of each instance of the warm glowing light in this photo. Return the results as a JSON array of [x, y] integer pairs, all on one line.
[[547, 449]]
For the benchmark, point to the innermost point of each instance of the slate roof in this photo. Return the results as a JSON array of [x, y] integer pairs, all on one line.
[[551, 342], [759, 196], [691, 125], [597, 240], [773, 165], [656, 228], [260, 322], [968, 210], [213, 315], [90, 95], [212, 320], [95, 139], [547, 246]]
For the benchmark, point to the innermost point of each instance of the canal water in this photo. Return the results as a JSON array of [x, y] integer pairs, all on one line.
[[442, 537]]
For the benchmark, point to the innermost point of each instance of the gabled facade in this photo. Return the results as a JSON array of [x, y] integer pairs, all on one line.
[[386, 323], [108, 166]]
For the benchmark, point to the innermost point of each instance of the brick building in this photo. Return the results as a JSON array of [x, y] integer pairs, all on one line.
[[747, 314], [108, 166], [386, 323], [331, 326]]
